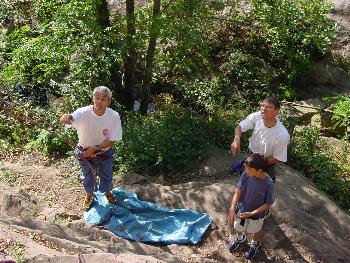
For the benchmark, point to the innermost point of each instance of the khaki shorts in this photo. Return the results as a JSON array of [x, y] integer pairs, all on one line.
[[248, 225]]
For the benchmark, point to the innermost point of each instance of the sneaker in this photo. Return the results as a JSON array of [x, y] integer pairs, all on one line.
[[252, 251], [234, 245], [87, 204], [110, 198]]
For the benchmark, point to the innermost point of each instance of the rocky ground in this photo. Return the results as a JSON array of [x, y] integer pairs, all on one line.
[[341, 14], [40, 216]]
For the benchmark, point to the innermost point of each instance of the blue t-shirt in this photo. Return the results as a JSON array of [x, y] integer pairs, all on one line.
[[254, 193]]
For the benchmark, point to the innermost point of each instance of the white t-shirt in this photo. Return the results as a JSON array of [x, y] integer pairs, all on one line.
[[271, 142], [90, 126]]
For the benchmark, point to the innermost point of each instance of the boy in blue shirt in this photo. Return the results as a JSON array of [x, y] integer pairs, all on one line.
[[254, 195]]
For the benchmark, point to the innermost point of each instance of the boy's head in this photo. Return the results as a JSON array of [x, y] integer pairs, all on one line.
[[255, 164]]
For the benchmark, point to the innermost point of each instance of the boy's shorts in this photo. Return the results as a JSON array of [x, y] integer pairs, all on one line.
[[248, 225]]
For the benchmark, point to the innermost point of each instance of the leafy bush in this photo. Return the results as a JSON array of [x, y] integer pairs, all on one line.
[[22, 123], [296, 31], [307, 153], [203, 96], [341, 113], [170, 140], [248, 76], [162, 142], [48, 142], [63, 48]]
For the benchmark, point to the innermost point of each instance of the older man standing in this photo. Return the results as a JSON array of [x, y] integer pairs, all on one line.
[[269, 137], [98, 129]]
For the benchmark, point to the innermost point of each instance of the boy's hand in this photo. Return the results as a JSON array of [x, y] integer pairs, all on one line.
[[245, 215], [231, 217]]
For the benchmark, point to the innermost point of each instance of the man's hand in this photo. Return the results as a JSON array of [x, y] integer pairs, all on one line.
[[236, 145], [66, 119], [231, 217], [90, 150]]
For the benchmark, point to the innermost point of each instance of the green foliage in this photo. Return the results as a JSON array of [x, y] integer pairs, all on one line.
[[308, 153], [221, 125], [16, 250], [8, 177], [66, 49], [295, 31], [204, 96], [249, 75], [162, 142], [48, 142], [22, 123], [169, 141], [341, 113], [183, 46]]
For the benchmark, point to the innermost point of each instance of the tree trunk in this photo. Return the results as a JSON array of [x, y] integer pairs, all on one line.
[[153, 32], [129, 74], [102, 18], [102, 13]]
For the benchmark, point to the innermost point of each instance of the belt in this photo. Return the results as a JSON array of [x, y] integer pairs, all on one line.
[[94, 155]]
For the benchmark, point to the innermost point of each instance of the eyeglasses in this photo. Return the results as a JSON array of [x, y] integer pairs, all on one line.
[[266, 106]]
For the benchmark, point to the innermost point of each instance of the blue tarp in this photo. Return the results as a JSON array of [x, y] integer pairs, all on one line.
[[144, 221]]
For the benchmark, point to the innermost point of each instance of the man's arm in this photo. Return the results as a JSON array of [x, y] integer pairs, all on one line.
[[236, 144], [272, 161]]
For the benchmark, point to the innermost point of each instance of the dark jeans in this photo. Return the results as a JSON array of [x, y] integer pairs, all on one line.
[[90, 167]]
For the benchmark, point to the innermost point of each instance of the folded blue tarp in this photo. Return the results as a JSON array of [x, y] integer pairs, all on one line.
[[143, 221]]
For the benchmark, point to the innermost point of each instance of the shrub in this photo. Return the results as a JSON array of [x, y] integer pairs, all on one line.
[[341, 114], [296, 31], [23, 123], [170, 140], [307, 153], [161, 142], [48, 142]]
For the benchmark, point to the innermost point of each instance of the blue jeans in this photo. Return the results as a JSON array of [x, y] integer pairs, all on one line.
[[100, 165]]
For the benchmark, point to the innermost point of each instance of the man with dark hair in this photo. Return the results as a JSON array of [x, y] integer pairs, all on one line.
[[269, 137]]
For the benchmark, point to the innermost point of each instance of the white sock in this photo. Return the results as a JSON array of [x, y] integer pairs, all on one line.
[[241, 237], [254, 243]]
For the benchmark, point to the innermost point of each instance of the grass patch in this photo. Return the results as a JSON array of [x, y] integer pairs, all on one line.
[[8, 177], [16, 250]]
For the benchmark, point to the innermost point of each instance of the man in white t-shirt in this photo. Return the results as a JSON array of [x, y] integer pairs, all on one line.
[[269, 137], [98, 129]]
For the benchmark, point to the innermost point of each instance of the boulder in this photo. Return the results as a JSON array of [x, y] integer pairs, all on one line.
[[16, 202], [308, 108], [321, 80]]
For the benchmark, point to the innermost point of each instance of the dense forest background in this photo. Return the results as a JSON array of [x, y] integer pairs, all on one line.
[[182, 72]]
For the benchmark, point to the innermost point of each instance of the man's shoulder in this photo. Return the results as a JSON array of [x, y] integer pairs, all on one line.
[[253, 117], [283, 130], [84, 109], [112, 113], [256, 114]]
